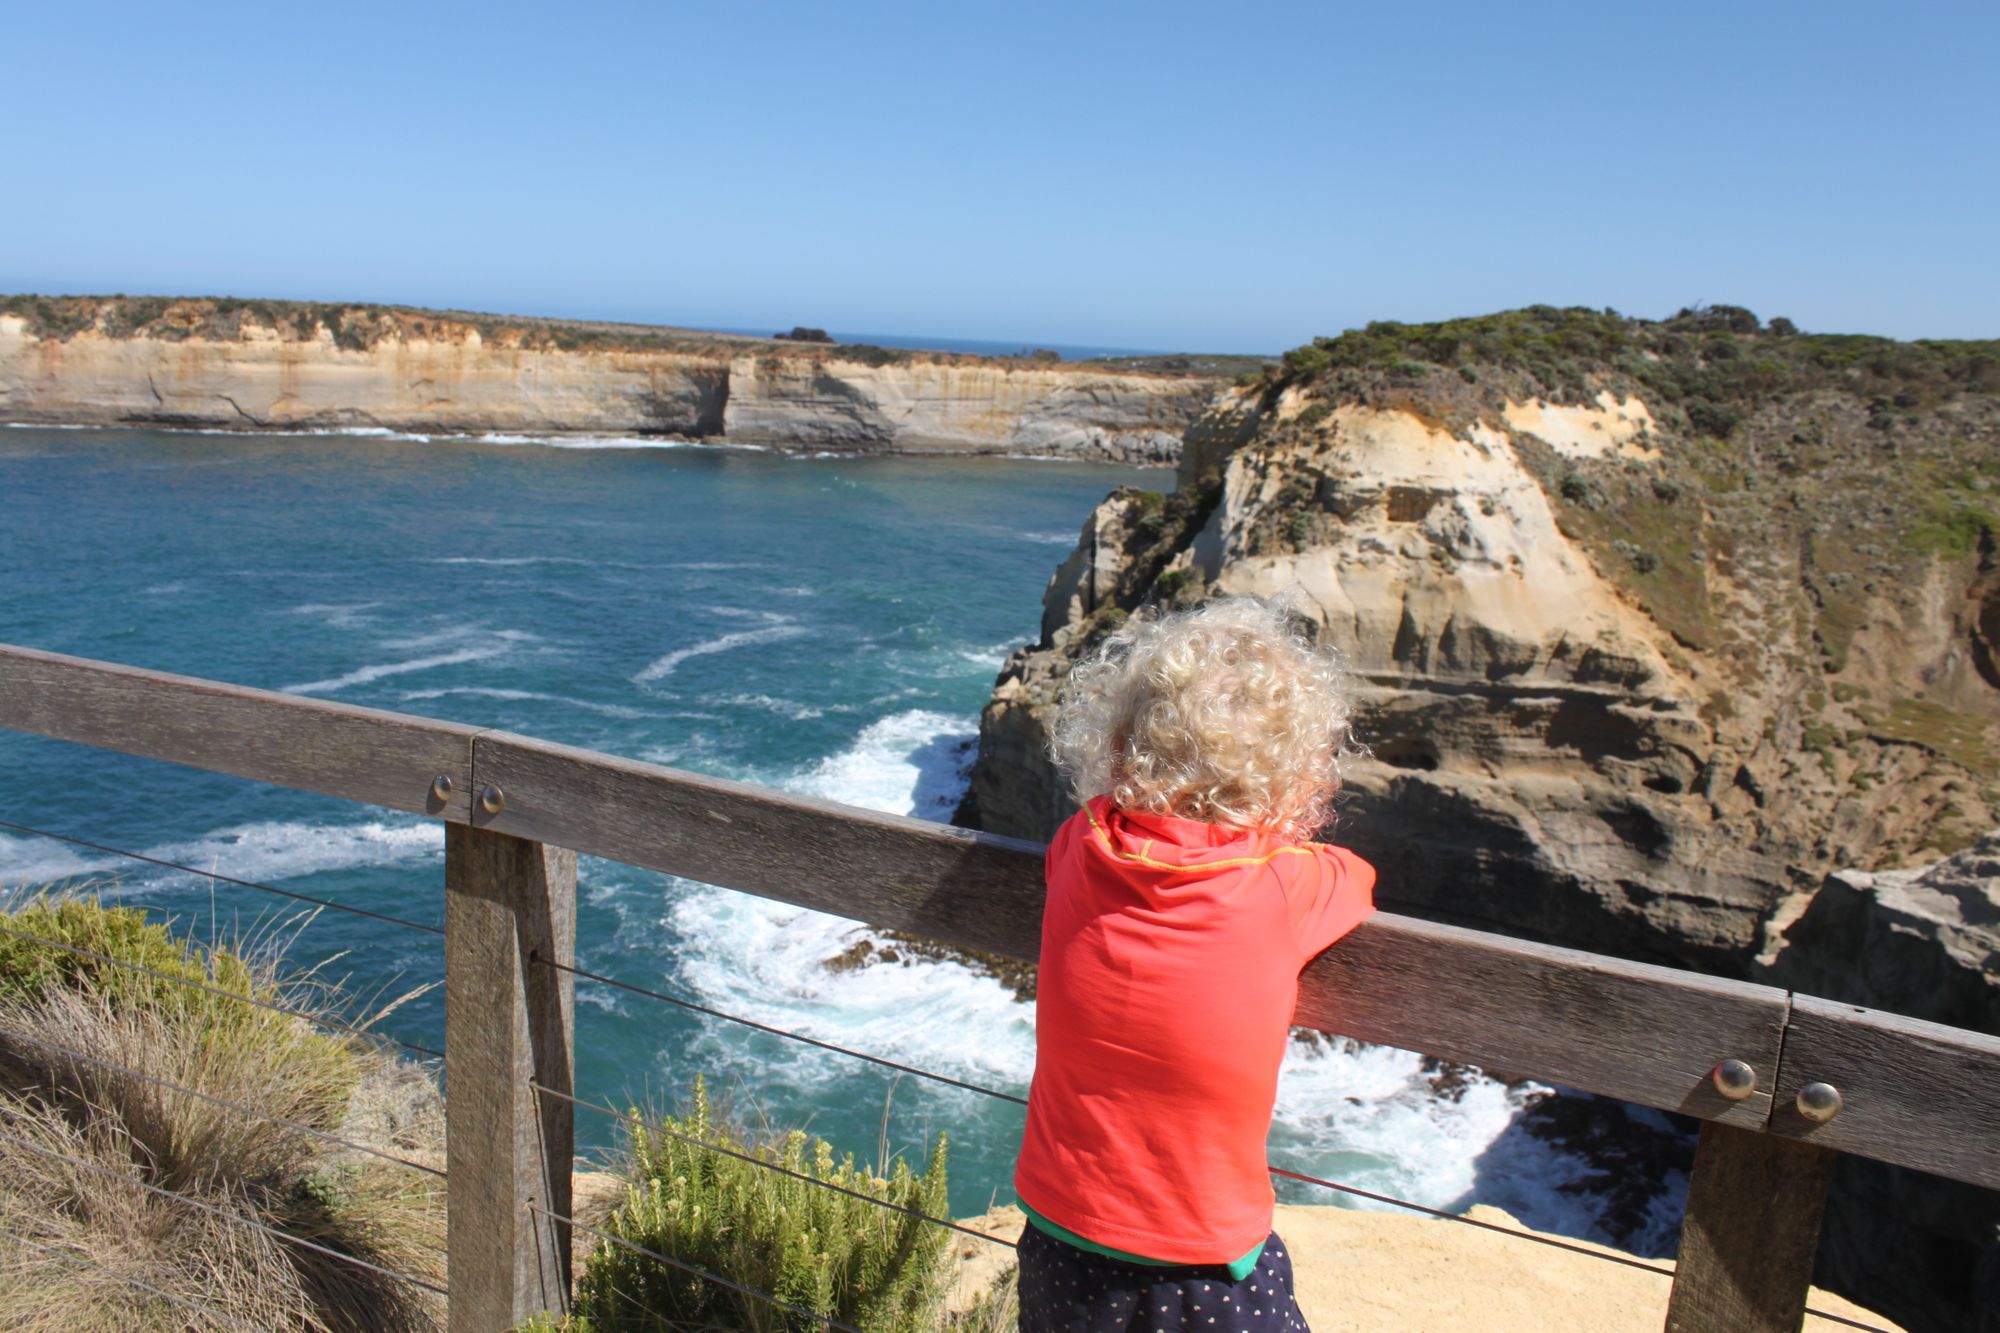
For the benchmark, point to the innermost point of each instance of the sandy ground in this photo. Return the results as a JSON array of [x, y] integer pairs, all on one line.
[[1362, 1272]]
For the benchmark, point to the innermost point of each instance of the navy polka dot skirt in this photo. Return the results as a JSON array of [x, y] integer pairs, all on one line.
[[1067, 1290]]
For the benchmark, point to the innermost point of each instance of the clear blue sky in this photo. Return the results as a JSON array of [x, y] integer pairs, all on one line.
[[1214, 177]]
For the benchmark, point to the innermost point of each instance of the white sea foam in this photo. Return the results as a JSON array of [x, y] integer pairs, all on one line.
[[508, 560], [587, 441], [461, 644], [1047, 538], [797, 712], [382, 670], [267, 851], [1369, 1116], [351, 432], [475, 636], [33, 862], [660, 668], [281, 850], [907, 763], [486, 692], [765, 961], [992, 655], [336, 615], [615, 442]]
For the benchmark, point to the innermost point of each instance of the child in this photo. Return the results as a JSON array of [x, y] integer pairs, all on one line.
[[1183, 901]]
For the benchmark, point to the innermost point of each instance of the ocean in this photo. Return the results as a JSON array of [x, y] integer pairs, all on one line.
[[969, 346], [823, 625]]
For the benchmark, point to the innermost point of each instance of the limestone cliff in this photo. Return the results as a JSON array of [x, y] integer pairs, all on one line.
[[1652, 625], [278, 366]]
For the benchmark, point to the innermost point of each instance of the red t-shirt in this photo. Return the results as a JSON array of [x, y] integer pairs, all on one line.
[[1171, 952]]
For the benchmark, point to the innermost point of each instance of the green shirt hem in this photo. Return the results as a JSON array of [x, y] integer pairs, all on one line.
[[1238, 1270]]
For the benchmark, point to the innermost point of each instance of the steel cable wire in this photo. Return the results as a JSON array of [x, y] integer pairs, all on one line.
[[692, 1007], [147, 1287], [973, 1087], [219, 1101], [1853, 1323], [425, 1051], [703, 1273], [1526, 1235], [1472, 1221], [225, 1214], [327, 903], [770, 1166]]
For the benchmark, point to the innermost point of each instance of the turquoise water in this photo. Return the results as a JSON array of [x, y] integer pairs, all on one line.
[[829, 626]]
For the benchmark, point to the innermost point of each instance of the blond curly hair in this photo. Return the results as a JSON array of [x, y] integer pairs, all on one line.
[[1230, 713]]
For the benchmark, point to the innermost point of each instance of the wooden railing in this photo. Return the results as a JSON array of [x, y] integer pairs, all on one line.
[[518, 810]]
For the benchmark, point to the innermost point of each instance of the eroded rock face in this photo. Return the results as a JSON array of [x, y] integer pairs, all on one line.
[[1923, 942], [1575, 737]]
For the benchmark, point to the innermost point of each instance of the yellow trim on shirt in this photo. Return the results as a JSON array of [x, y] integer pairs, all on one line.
[[1145, 860]]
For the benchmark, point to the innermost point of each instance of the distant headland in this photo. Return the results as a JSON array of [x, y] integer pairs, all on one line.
[[258, 365]]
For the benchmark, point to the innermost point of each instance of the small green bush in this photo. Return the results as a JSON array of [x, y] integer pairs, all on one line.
[[29, 969], [826, 1252]]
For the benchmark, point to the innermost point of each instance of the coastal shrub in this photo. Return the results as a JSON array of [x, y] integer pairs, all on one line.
[[824, 1251], [92, 1060], [1714, 362], [1951, 527], [868, 354]]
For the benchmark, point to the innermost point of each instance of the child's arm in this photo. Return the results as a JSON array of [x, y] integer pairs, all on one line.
[[1331, 894]]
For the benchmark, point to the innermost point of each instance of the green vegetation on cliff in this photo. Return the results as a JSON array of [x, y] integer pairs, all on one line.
[[1714, 363], [355, 326], [358, 326]]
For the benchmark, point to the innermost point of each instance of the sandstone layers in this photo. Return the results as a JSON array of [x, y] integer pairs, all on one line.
[[441, 375], [1551, 754]]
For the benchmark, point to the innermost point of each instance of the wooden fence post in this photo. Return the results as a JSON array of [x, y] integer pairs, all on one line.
[[1747, 1240], [508, 1149]]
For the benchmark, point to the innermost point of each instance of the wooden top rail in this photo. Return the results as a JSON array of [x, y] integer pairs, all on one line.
[[1917, 1094]]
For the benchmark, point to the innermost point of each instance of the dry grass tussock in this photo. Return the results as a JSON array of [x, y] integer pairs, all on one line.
[[86, 1050]]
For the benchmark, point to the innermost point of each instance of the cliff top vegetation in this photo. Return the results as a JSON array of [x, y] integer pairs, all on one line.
[[1714, 362], [359, 326]]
